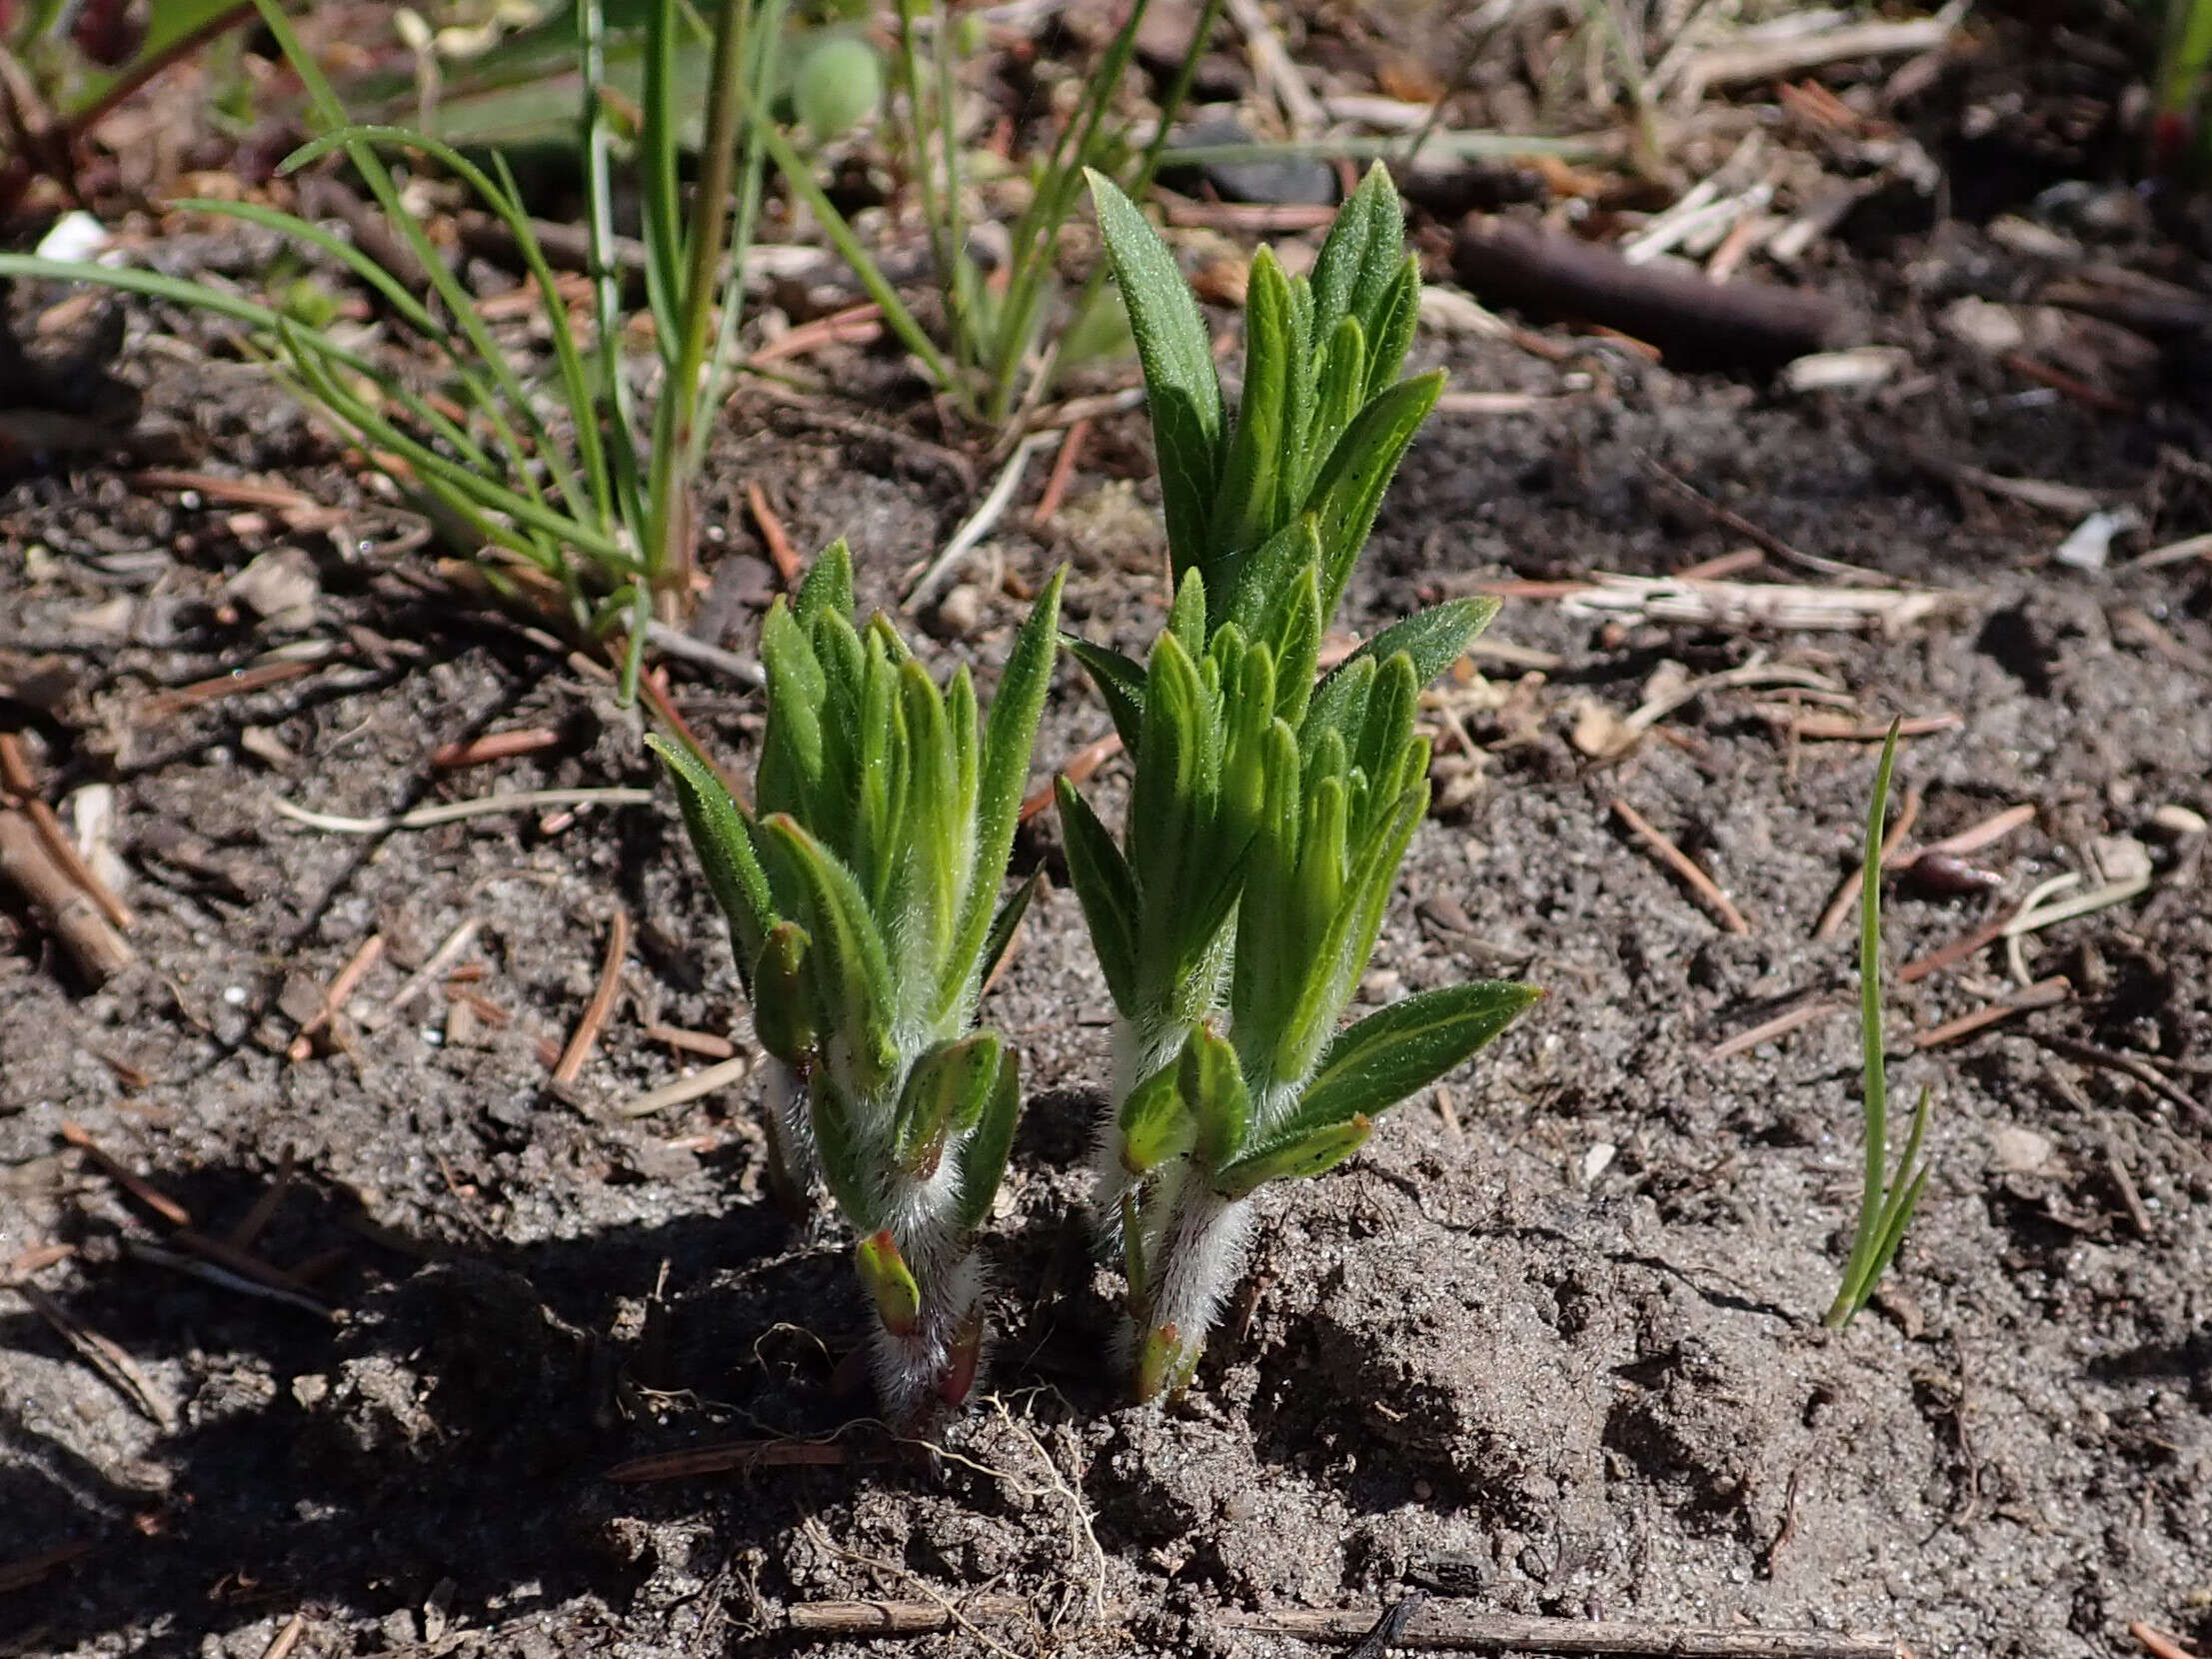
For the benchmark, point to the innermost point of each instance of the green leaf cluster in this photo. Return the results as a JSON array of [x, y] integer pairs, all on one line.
[[862, 900], [1271, 811]]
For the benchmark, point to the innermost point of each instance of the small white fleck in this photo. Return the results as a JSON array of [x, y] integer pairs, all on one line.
[[235, 995]]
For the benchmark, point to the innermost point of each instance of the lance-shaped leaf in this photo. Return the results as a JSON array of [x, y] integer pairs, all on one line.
[[1340, 954], [785, 1016], [888, 1281], [1339, 389], [1009, 736], [984, 1154], [1288, 1158], [1361, 252], [1187, 613], [1174, 788], [1348, 493], [1176, 353], [1404, 1048], [1106, 889], [1390, 328], [1212, 1087], [1003, 926], [1433, 639], [723, 839], [932, 880], [851, 969], [1155, 1120], [1251, 475], [1388, 726], [1120, 685], [790, 777], [944, 1096], [828, 590]]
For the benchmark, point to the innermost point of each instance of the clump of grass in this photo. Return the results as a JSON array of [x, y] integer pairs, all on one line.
[[994, 357], [1886, 1200], [1269, 814], [556, 480], [864, 904]]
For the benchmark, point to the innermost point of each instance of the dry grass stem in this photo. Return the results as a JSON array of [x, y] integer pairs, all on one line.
[[1684, 865]]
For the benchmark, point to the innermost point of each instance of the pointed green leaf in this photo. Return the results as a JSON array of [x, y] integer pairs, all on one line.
[[785, 1014], [1187, 617], [1107, 890], [1367, 232], [1269, 572], [827, 588], [1003, 926], [1010, 735], [1406, 1046], [721, 839], [983, 1156], [1212, 1087], [851, 968], [1120, 683], [1154, 1123], [1285, 1159], [1391, 330], [1176, 353], [1348, 493], [888, 1281], [790, 775], [945, 1094], [1245, 506], [1434, 639], [1340, 954], [1339, 390], [1339, 704]]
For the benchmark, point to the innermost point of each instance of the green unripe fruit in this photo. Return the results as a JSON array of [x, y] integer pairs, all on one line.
[[839, 85]]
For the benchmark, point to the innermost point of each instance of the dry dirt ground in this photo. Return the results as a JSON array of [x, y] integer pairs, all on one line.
[[1551, 1342]]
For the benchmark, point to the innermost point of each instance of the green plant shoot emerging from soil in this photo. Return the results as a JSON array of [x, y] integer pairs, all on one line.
[[864, 909], [1268, 816], [1885, 1203]]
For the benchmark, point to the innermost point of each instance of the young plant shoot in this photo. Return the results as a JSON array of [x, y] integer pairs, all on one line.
[[863, 898], [1235, 918], [1886, 1202]]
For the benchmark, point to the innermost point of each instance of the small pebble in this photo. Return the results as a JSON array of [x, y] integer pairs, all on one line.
[[2177, 820], [235, 995], [961, 612]]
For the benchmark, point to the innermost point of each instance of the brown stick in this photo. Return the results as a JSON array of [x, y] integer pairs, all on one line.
[[1780, 1026], [115, 1365], [337, 996], [1079, 768], [1994, 827], [15, 773], [2043, 994], [854, 326], [130, 1181], [2160, 1644], [601, 1006], [1444, 1626], [1820, 728], [693, 1042], [1694, 322], [28, 865], [2128, 1066], [1951, 954], [774, 536], [281, 1645], [734, 1455], [257, 679], [1847, 895], [492, 746], [898, 1618], [265, 1207], [15, 1575], [1680, 862], [1062, 473]]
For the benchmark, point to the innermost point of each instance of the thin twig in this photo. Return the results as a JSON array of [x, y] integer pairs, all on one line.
[[239, 680], [265, 1208], [16, 1575], [736, 1454], [2043, 994], [120, 1372], [601, 1006], [1780, 1026], [135, 1184], [1062, 473], [1079, 769], [1729, 519], [223, 1276], [774, 537], [684, 1090], [2128, 1066], [1680, 862], [2159, 1644], [15, 773], [492, 746], [673, 641], [453, 811], [447, 954], [692, 1042], [1440, 1625], [335, 998], [27, 864], [1847, 895], [281, 1645], [868, 1619], [979, 525]]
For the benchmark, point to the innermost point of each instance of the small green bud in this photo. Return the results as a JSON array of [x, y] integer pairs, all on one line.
[[888, 1281], [838, 85]]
